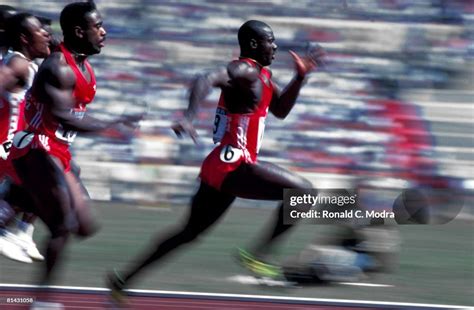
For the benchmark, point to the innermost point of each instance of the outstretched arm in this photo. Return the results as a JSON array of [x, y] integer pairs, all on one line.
[[283, 102]]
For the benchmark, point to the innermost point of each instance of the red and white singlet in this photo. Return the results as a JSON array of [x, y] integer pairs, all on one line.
[[43, 129], [11, 116], [239, 135]]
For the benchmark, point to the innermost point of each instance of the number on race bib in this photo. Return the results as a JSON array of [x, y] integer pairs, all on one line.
[[220, 124], [216, 123], [230, 154]]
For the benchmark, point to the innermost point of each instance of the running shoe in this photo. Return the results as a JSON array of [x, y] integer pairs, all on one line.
[[257, 266], [25, 240], [13, 251], [116, 285]]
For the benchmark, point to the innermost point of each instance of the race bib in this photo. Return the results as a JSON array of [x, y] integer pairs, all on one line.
[[67, 136], [220, 125], [5, 149], [22, 139]]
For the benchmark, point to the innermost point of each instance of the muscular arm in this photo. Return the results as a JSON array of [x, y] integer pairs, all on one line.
[[245, 89], [54, 86], [13, 74], [282, 103], [237, 81], [201, 87], [239, 85]]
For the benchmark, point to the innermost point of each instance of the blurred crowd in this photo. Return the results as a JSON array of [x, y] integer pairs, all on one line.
[[391, 108]]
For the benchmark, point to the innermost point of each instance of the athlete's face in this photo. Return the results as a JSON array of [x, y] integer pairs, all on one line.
[[266, 47], [37, 39], [95, 33]]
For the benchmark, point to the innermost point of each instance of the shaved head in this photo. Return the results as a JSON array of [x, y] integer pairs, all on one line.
[[253, 29], [256, 41]]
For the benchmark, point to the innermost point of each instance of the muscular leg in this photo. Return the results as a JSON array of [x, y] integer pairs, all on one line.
[[76, 170], [81, 206], [44, 179], [264, 181], [208, 205], [20, 199]]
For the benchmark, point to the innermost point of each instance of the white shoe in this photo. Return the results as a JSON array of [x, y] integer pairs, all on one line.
[[25, 241], [34, 253], [43, 305], [13, 251]]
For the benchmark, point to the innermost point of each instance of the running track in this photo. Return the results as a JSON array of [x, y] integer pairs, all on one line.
[[96, 298]]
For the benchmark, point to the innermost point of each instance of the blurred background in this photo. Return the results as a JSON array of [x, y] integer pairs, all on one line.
[[391, 109]]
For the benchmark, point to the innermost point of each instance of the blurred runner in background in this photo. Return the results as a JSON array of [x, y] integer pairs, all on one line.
[[27, 41]]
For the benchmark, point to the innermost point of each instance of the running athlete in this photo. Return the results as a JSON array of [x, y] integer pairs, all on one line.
[[231, 170], [55, 110], [27, 41]]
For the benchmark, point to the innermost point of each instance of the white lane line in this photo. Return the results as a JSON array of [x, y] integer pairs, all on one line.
[[250, 280], [268, 298], [366, 284]]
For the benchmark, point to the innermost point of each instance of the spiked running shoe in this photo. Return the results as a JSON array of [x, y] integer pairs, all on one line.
[[257, 266], [116, 285]]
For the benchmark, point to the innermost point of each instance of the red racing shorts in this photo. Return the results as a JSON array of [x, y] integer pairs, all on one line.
[[219, 163], [8, 171], [25, 141]]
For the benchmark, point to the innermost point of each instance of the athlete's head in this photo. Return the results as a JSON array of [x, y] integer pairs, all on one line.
[[256, 41], [82, 28], [26, 34], [53, 40]]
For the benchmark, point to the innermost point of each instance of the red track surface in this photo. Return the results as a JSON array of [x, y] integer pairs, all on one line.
[[100, 301]]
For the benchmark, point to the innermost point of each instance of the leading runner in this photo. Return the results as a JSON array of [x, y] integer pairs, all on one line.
[[232, 170]]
